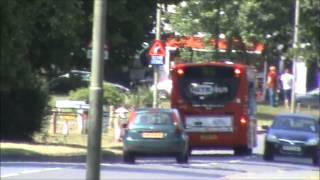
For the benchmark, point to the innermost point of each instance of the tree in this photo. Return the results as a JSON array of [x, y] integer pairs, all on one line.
[[41, 38], [209, 16], [38, 34], [37, 37], [270, 22], [273, 22]]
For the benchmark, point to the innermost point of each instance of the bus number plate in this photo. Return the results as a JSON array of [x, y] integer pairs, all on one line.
[[208, 137]]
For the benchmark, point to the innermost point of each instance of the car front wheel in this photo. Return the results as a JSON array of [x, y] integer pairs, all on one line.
[[182, 158], [268, 152], [315, 159]]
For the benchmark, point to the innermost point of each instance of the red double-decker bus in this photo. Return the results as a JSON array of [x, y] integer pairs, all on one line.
[[217, 104]]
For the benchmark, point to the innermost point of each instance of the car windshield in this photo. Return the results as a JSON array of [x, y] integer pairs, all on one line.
[[295, 123], [153, 119]]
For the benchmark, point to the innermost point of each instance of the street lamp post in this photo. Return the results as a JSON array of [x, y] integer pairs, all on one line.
[[96, 91], [295, 45]]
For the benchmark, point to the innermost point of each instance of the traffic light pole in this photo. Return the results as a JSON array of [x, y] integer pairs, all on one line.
[[96, 91], [156, 67]]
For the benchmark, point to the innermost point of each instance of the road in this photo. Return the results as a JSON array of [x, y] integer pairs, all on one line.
[[202, 165]]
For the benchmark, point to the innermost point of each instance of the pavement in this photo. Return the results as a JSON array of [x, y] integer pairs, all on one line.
[[41, 158], [284, 175]]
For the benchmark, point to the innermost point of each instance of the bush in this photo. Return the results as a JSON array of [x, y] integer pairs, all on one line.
[[23, 110], [62, 85], [111, 95], [143, 97]]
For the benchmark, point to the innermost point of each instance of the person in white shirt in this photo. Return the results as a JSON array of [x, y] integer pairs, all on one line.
[[287, 81]]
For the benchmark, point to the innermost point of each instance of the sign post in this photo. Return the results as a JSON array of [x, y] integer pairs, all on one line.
[[157, 57], [155, 52]]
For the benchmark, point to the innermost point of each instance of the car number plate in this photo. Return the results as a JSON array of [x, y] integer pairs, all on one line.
[[208, 137], [154, 135], [291, 148]]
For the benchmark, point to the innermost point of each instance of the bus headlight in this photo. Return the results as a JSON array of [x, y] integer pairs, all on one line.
[[272, 138]]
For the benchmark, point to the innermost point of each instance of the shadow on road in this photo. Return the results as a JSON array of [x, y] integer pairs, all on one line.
[[13, 154]]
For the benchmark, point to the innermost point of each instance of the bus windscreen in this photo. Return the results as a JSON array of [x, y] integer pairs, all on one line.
[[208, 85]]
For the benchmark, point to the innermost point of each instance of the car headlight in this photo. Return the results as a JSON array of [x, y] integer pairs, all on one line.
[[312, 141], [272, 138]]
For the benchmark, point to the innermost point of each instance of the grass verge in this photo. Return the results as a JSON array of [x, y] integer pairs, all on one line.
[[58, 147], [72, 147]]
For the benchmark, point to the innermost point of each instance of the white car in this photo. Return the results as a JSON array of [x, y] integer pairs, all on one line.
[[164, 88], [64, 83]]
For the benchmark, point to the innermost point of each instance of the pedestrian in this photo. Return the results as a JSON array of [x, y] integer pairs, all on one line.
[[272, 85], [121, 119], [286, 81]]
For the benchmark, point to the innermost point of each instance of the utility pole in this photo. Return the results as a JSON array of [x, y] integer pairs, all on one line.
[[96, 91], [295, 46], [156, 67]]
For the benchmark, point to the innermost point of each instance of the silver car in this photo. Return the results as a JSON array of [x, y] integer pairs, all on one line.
[[310, 99]]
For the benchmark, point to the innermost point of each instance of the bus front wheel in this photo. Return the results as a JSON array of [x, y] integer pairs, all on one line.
[[242, 151]]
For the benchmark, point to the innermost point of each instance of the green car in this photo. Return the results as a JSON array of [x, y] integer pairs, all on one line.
[[155, 131]]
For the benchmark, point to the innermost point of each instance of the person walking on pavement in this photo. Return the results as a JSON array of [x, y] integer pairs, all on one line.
[[286, 81], [272, 85]]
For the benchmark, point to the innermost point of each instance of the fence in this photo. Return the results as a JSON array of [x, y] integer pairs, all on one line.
[[72, 120]]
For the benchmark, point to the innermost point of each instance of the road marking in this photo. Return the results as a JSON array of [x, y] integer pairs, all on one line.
[[9, 175], [29, 172], [39, 170], [213, 164], [234, 161], [280, 171], [109, 164]]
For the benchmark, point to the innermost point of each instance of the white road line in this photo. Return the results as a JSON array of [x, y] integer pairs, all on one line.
[[29, 172], [234, 161], [39, 170], [9, 175], [109, 164]]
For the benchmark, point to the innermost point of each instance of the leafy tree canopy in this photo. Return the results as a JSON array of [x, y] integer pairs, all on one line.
[[270, 22], [37, 36]]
